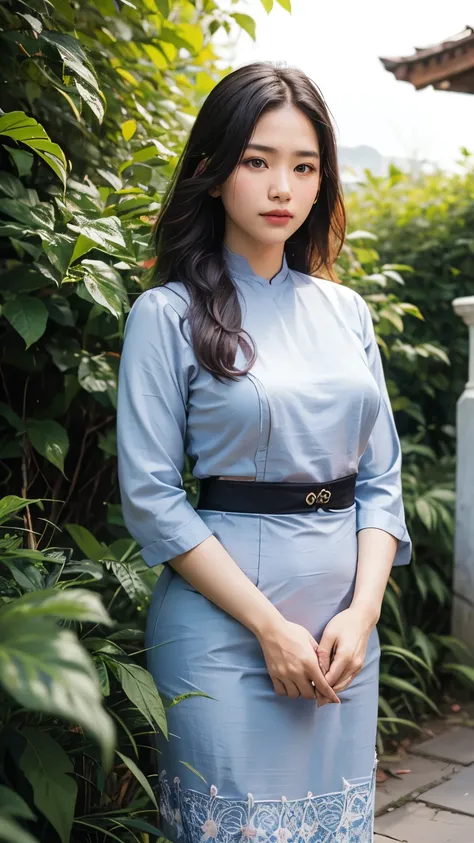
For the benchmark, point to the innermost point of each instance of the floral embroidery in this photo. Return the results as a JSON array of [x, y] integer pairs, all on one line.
[[342, 817]]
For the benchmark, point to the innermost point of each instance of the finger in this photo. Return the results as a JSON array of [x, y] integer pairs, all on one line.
[[291, 689], [339, 667], [306, 689], [324, 660], [279, 688], [352, 668], [320, 682], [341, 686], [327, 644]]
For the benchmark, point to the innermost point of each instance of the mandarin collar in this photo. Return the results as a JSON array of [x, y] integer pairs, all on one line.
[[239, 266]]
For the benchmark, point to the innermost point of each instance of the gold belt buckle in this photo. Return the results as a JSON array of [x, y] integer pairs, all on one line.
[[324, 496]]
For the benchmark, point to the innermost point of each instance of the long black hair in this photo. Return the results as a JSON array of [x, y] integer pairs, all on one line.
[[190, 227]]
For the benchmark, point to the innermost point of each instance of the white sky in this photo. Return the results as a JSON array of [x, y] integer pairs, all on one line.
[[338, 44]]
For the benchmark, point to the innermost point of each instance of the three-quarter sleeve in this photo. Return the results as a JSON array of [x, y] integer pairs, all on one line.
[[155, 368], [379, 501]]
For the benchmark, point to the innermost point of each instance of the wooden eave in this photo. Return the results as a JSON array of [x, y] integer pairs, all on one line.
[[448, 66]]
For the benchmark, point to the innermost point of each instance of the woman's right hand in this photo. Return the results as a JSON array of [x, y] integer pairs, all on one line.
[[290, 655]]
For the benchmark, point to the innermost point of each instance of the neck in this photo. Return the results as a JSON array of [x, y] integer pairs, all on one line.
[[264, 259]]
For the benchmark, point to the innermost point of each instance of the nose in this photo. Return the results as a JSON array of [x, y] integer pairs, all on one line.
[[280, 189]]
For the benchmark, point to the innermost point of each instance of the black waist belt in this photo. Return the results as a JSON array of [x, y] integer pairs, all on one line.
[[258, 496]]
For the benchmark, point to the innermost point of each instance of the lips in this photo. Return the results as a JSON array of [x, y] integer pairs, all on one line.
[[284, 214]]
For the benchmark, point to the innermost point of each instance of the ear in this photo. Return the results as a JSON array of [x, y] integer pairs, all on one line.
[[215, 192]]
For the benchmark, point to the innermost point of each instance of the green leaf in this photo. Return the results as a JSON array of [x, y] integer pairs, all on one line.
[[77, 605], [285, 4], [267, 5], [64, 9], [103, 675], [12, 832], [463, 671], [139, 686], [395, 276], [247, 23], [92, 99], [400, 721], [402, 652], [49, 772], [39, 216], [96, 375], [22, 159], [44, 667], [11, 504], [407, 688], [128, 129], [17, 126], [12, 418], [197, 773], [50, 439], [105, 286], [88, 543], [101, 233], [131, 582], [426, 513], [28, 316], [58, 248], [72, 55], [13, 805], [140, 777]]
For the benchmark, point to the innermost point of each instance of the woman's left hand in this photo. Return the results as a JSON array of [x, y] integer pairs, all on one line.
[[343, 644]]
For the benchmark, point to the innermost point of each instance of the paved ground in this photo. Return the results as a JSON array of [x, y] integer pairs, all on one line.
[[428, 795]]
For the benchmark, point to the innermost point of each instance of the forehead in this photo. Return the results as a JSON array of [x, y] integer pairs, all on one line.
[[286, 127]]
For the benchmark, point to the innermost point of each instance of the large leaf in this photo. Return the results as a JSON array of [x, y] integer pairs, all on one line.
[[139, 686], [50, 439], [12, 504], [73, 605], [49, 771], [45, 669], [73, 56], [19, 127], [40, 216], [105, 286], [140, 777], [247, 23], [101, 233], [87, 542], [131, 582], [28, 316]]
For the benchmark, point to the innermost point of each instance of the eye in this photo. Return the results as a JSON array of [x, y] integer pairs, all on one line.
[[251, 161], [310, 168]]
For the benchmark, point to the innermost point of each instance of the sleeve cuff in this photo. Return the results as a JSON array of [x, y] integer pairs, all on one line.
[[382, 520], [192, 534]]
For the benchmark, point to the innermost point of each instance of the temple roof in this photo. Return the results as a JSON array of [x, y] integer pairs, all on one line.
[[448, 66]]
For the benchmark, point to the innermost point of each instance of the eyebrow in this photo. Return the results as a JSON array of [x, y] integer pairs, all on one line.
[[304, 153]]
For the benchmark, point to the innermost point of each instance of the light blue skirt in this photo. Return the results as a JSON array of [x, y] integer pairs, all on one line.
[[247, 764]]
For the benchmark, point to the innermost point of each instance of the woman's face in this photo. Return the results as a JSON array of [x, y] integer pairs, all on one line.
[[279, 171]]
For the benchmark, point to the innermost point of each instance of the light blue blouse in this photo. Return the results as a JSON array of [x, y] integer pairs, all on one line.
[[313, 408]]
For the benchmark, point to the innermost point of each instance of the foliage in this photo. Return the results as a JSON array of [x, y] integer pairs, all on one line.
[[76, 703], [423, 226], [427, 223]]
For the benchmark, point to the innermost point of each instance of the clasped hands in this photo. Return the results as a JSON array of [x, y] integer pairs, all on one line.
[[299, 666]]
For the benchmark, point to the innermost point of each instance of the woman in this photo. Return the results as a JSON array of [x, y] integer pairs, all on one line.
[[269, 376]]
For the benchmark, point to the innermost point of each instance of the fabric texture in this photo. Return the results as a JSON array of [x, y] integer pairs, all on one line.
[[314, 407]]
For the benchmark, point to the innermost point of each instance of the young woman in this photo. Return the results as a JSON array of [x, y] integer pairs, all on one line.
[[268, 375]]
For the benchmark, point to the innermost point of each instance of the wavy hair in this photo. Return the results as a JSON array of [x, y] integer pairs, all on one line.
[[190, 228]]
